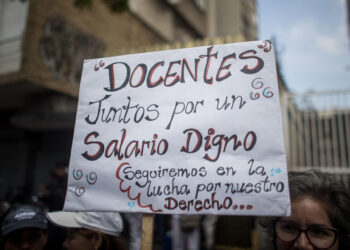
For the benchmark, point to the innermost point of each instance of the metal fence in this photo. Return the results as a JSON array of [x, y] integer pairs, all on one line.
[[317, 131]]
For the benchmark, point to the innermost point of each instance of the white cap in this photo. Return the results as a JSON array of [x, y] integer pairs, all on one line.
[[107, 222]]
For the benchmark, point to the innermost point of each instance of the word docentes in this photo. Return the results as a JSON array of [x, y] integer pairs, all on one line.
[[170, 73]]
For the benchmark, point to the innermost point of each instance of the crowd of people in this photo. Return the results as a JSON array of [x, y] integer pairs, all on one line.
[[320, 219]]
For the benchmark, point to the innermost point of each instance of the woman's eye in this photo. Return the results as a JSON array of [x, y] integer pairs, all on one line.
[[70, 236], [287, 227], [320, 232]]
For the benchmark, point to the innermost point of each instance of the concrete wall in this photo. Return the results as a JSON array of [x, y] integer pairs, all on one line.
[[53, 58], [232, 18], [13, 15]]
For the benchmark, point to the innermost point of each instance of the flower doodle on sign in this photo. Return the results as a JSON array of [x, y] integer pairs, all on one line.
[[258, 84], [99, 65], [79, 191], [127, 190], [131, 204], [77, 174], [266, 47], [275, 171], [91, 178]]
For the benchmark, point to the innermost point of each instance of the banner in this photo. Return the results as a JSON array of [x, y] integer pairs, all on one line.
[[194, 130]]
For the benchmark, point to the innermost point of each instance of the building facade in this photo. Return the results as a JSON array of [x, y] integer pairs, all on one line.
[[42, 48]]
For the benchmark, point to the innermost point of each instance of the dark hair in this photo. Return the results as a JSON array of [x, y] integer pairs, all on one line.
[[109, 242], [331, 193]]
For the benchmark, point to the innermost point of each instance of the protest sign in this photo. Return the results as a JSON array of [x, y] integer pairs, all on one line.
[[194, 130]]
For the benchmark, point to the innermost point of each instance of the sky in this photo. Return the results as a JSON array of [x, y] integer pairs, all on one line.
[[311, 40]]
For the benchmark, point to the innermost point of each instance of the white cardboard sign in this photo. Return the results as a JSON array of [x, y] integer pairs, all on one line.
[[194, 130]]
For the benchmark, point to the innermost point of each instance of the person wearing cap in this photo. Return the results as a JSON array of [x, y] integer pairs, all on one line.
[[24, 227], [89, 230]]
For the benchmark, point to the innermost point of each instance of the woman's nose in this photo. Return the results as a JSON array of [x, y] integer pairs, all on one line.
[[65, 244], [303, 242]]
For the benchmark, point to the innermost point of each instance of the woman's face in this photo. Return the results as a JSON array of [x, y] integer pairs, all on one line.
[[306, 213], [76, 240], [27, 238]]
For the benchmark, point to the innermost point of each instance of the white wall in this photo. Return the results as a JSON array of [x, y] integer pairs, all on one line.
[[13, 17]]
